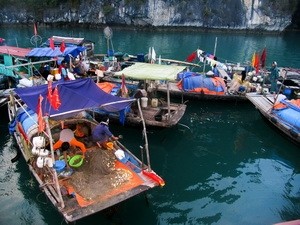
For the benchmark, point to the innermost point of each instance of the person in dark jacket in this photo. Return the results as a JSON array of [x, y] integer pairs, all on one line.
[[101, 133], [274, 77]]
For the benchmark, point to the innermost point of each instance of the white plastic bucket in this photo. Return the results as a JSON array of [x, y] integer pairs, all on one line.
[[154, 102], [144, 102], [57, 76]]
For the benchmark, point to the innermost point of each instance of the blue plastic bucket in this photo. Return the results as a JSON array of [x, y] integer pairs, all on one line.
[[287, 91], [59, 165]]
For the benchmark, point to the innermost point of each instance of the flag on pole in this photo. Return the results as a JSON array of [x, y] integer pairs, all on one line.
[[49, 96], [263, 58], [35, 29], [51, 43], [253, 59], [55, 100], [124, 89], [153, 56], [257, 62], [62, 46], [191, 57], [41, 122]]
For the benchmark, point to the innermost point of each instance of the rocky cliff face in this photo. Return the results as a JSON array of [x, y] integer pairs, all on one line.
[[269, 15]]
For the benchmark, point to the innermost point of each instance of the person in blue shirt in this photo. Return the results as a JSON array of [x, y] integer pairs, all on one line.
[[101, 133], [215, 71], [63, 70], [274, 77]]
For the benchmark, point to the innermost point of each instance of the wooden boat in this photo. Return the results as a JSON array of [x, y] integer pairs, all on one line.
[[11, 65], [71, 42], [282, 113], [289, 78], [203, 93], [292, 222], [156, 112], [87, 185], [204, 85], [24, 67]]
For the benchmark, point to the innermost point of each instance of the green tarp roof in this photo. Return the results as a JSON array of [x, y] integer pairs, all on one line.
[[147, 71]]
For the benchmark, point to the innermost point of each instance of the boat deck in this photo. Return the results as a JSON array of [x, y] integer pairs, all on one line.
[[99, 183], [294, 222], [264, 103], [176, 92]]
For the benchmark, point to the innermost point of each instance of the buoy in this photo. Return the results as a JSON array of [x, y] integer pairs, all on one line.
[[154, 177]]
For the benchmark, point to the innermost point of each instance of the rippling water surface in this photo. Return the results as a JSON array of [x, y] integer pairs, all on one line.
[[224, 165]]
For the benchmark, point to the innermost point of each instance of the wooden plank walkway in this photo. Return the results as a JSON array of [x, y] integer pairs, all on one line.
[[264, 103]]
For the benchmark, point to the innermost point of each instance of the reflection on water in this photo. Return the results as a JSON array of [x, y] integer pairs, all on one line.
[[224, 165]]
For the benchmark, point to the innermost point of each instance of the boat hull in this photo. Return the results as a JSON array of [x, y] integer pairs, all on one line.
[[265, 103], [176, 92], [101, 182]]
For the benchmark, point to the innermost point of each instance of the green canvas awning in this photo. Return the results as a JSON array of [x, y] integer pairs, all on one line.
[[147, 71]]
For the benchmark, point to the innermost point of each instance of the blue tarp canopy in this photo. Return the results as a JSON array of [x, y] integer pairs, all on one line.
[[75, 96], [290, 115], [191, 81], [49, 52]]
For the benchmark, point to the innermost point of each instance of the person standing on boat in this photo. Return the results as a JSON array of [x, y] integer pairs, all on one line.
[[63, 70], [274, 77], [215, 71], [101, 133]]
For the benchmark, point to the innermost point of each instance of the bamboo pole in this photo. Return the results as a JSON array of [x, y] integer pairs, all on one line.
[[215, 48], [30, 63], [145, 135], [54, 171], [168, 100], [181, 62]]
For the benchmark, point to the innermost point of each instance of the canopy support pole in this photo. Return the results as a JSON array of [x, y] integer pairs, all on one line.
[[53, 170], [215, 48], [168, 100], [145, 135]]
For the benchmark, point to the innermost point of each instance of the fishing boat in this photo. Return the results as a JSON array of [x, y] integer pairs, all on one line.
[[282, 113], [289, 78], [197, 86], [140, 78], [155, 111], [216, 81], [90, 178], [16, 70], [26, 67], [292, 222], [57, 41], [11, 65]]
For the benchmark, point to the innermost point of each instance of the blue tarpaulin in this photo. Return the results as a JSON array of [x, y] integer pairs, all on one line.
[[75, 95], [52, 53], [189, 83], [290, 114]]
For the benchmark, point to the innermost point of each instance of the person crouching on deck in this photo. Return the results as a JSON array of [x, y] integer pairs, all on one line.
[[67, 135], [102, 135]]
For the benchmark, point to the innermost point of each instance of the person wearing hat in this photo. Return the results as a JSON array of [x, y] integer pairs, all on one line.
[[274, 77], [101, 133]]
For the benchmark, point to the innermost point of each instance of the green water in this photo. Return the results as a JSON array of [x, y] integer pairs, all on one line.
[[224, 165]]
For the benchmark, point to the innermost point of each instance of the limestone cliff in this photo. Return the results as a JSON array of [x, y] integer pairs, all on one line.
[[268, 15]]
